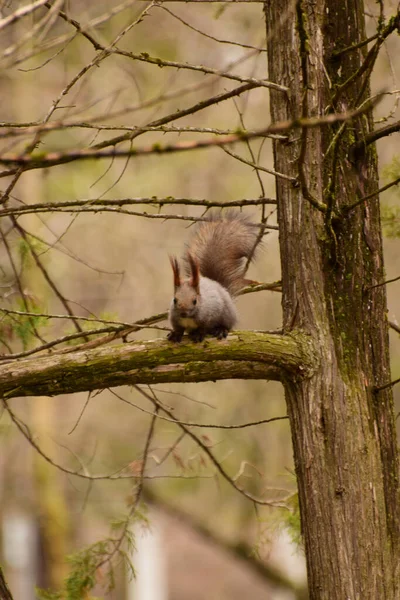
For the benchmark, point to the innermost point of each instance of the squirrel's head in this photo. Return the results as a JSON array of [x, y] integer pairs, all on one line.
[[187, 291]]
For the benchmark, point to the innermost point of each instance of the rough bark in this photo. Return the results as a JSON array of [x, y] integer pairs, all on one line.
[[245, 355], [343, 432]]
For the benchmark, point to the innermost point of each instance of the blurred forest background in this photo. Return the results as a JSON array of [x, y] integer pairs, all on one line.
[[113, 266]]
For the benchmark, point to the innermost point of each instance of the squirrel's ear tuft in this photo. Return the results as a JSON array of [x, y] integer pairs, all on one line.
[[175, 268], [194, 267]]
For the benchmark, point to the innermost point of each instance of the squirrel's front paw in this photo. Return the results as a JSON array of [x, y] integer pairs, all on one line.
[[175, 336], [220, 332], [197, 335]]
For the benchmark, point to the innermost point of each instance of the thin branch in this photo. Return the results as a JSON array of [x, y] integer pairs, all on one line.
[[19, 284], [369, 61], [25, 129], [21, 12], [137, 496], [263, 219], [276, 286], [373, 136], [119, 474], [59, 246], [45, 274], [180, 93], [42, 160], [347, 209], [338, 53], [258, 167], [210, 455], [5, 358], [69, 317], [153, 201], [394, 326], [32, 32], [95, 62], [198, 425], [383, 283], [210, 37], [157, 216], [145, 57], [167, 119], [387, 385]]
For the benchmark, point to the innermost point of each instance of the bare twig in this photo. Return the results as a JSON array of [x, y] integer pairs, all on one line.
[[153, 201], [394, 326], [347, 209], [137, 495], [384, 283], [21, 12], [373, 136], [119, 474], [43, 160], [387, 385], [210, 455]]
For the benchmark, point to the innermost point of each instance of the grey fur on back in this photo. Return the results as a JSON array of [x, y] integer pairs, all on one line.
[[216, 305], [220, 246]]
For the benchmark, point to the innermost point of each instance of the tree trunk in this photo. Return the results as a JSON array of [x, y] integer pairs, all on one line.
[[342, 428]]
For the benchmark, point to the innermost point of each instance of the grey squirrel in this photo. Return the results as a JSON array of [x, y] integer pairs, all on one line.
[[203, 301]]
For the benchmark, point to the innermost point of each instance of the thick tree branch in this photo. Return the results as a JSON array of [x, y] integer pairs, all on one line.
[[246, 355]]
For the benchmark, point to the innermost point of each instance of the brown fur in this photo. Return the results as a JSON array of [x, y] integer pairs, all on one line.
[[175, 269], [194, 267], [219, 246]]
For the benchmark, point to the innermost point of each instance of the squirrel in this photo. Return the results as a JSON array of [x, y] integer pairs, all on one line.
[[203, 302]]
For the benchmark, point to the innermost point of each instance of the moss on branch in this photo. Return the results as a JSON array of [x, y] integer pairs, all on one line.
[[244, 355]]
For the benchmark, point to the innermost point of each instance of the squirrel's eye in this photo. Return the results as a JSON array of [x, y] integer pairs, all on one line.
[[175, 301], [194, 302]]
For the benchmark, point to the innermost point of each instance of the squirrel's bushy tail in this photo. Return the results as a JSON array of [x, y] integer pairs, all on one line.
[[220, 244]]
